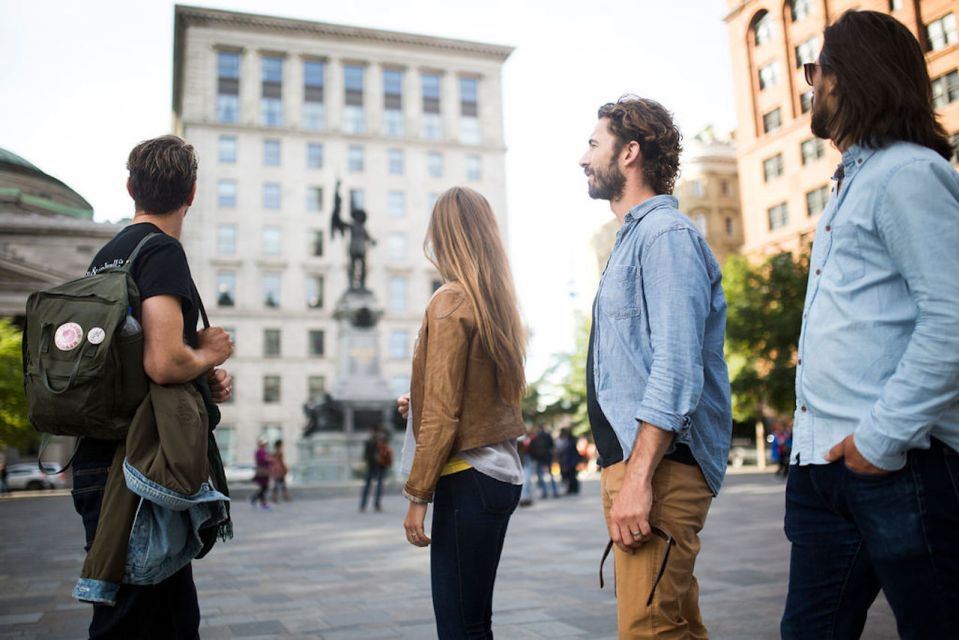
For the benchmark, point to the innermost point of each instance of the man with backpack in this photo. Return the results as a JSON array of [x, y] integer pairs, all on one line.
[[162, 183]]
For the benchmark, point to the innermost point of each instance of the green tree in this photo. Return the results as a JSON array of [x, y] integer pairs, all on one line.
[[15, 428], [764, 318]]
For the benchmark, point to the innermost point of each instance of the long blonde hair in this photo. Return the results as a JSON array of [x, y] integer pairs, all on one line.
[[467, 248]]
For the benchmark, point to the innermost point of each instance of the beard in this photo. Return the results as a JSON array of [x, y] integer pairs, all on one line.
[[819, 120], [608, 184]]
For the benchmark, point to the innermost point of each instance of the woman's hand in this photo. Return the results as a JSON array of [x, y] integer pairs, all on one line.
[[403, 405], [415, 517]]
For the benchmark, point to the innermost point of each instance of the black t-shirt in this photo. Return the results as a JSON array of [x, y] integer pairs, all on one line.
[[607, 443], [160, 268]]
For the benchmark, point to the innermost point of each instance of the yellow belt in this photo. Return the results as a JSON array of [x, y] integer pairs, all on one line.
[[455, 465]]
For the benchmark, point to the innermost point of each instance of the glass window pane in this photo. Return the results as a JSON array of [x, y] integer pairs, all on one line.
[[316, 340], [395, 159], [225, 288], [271, 152], [226, 194], [226, 239], [271, 290], [314, 198], [397, 294], [226, 150], [271, 195], [396, 203], [314, 292], [271, 241], [271, 342]]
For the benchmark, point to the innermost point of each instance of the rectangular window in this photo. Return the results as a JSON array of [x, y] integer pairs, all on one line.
[[315, 388], [942, 32], [801, 9], [395, 161], [314, 155], [729, 226], [811, 149], [700, 221], [227, 86], [778, 216], [358, 199], [397, 291], [314, 111], [954, 139], [400, 345], [316, 244], [354, 158], [772, 167], [271, 290], [895, 5], [434, 164], [272, 243], [271, 195], [432, 125], [271, 389], [807, 51], [314, 199], [271, 343], [271, 152], [816, 200], [474, 168], [697, 189], [945, 89], [225, 239], [805, 101], [271, 91], [396, 204], [316, 343], [353, 117], [393, 102], [772, 120], [226, 150], [397, 246], [469, 111], [768, 75], [314, 292], [226, 194], [226, 288]]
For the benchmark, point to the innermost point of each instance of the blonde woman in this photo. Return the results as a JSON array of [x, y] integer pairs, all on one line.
[[465, 417]]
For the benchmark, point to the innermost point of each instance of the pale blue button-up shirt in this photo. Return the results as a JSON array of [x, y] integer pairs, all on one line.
[[658, 336], [879, 349]]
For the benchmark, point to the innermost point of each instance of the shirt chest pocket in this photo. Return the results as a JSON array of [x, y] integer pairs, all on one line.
[[847, 254], [622, 294]]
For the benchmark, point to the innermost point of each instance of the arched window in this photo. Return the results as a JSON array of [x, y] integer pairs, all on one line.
[[762, 28]]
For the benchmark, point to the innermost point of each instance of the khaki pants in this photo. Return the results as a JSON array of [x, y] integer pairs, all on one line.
[[681, 499]]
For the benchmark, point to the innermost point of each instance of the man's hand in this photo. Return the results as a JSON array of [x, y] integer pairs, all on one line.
[[854, 460], [215, 341], [221, 385], [629, 516], [415, 517], [403, 405]]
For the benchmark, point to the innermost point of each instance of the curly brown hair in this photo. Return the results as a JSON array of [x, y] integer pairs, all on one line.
[[651, 125]]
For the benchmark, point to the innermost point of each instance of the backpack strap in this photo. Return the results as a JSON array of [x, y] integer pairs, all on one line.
[[43, 446], [136, 250]]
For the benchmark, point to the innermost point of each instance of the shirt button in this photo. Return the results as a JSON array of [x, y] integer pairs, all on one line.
[[828, 227], [803, 408], [818, 272], [800, 361]]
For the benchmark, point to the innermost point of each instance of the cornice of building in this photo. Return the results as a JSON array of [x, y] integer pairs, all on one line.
[[19, 222], [201, 17]]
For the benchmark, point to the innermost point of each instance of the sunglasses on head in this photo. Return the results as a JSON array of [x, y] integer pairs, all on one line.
[[659, 533]]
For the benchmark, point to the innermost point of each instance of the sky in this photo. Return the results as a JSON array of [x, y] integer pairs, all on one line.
[[82, 82]]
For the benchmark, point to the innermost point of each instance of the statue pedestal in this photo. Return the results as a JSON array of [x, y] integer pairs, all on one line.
[[359, 389]]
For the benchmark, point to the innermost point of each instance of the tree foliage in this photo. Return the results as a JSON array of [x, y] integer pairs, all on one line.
[[764, 317], [15, 428]]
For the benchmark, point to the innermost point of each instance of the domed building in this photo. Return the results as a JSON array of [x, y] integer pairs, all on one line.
[[47, 233]]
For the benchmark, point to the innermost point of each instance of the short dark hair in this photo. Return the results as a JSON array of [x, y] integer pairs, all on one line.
[[647, 122], [883, 94], [162, 173]]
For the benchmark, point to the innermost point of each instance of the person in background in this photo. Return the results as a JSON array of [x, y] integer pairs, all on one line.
[[261, 476], [278, 472], [542, 449], [375, 456], [569, 458], [522, 446], [467, 384]]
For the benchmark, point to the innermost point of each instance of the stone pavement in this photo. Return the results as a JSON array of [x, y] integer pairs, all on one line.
[[318, 569]]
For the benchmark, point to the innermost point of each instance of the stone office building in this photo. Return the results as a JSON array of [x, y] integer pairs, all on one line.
[[281, 109]]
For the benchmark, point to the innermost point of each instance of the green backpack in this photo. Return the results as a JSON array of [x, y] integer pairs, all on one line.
[[82, 357]]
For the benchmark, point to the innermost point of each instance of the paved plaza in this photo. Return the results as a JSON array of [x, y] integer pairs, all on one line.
[[316, 568]]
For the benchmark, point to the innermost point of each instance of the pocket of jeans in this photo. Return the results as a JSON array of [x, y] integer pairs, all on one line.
[[875, 478], [497, 497], [622, 292]]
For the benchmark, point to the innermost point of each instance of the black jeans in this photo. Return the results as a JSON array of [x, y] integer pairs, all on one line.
[[853, 534], [165, 611], [470, 514], [373, 472]]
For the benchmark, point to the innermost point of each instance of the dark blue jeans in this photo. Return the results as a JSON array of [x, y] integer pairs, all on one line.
[[373, 473], [470, 514], [164, 611], [853, 534]]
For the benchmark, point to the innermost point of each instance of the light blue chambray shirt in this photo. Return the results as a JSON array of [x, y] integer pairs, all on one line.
[[658, 338], [879, 350]]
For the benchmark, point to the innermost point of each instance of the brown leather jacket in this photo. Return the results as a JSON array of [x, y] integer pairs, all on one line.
[[454, 394]]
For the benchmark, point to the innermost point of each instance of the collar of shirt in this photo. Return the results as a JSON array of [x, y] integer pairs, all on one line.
[[853, 159], [639, 212]]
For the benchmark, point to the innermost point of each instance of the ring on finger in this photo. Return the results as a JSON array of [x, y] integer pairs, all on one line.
[[636, 534]]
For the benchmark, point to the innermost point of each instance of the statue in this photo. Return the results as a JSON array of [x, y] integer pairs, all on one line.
[[359, 238], [323, 416]]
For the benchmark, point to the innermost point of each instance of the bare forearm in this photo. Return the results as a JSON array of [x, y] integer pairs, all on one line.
[[176, 366], [650, 446]]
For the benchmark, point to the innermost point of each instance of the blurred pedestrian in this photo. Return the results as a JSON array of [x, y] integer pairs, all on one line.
[[467, 385], [542, 450], [278, 472], [4, 488], [526, 495], [569, 457], [261, 475], [378, 457], [872, 498]]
